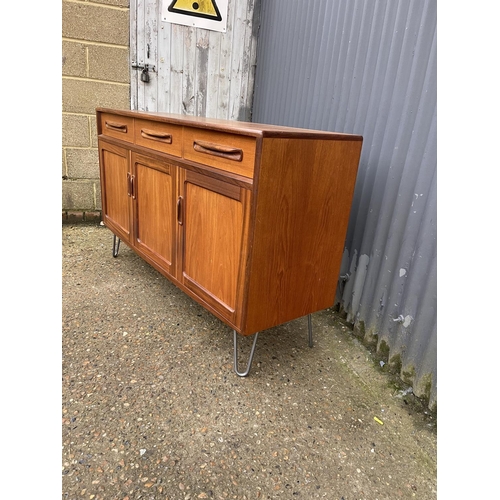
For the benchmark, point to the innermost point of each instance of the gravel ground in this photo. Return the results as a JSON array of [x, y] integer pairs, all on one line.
[[151, 407]]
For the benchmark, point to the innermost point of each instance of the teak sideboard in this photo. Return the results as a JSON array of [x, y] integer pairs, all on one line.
[[247, 219]]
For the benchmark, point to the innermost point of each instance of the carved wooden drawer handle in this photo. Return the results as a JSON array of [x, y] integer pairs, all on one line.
[[118, 127], [156, 136], [211, 148]]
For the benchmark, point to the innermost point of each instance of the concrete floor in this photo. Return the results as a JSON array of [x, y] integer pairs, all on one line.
[[153, 410]]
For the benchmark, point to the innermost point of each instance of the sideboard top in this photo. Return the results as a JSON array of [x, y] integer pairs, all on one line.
[[245, 128]]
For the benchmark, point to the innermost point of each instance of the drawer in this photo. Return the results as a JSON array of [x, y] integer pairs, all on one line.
[[226, 151], [119, 127], [159, 136]]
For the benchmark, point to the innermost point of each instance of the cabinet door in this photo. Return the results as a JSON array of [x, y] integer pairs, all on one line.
[[154, 210], [116, 189], [214, 222]]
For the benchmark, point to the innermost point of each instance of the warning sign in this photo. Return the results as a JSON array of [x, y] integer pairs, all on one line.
[[208, 14], [203, 8]]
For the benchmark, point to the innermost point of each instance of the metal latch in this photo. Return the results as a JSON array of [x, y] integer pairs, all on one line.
[[146, 68]]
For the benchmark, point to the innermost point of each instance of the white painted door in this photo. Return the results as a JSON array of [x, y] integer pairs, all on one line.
[[194, 71]]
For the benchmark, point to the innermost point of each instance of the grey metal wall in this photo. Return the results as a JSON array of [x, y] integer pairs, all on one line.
[[369, 67]]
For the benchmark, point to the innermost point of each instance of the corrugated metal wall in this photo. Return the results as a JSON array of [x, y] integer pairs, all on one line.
[[369, 67], [196, 71]]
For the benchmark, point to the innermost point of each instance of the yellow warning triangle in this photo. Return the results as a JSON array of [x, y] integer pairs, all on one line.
[[201, 8]]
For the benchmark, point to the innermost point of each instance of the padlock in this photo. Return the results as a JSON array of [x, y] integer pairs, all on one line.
[[145, 75]]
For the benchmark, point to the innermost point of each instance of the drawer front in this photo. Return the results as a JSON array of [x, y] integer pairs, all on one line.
[[226, 151], [119, 127], [159, 136]]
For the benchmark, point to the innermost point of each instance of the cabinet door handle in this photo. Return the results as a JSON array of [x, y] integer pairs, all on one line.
[[179, 210], [156, 136], [118, 127], [129, 184], [211, 148], [132, 185]]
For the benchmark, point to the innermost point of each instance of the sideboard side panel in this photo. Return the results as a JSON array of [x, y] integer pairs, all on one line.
[[304, 195]]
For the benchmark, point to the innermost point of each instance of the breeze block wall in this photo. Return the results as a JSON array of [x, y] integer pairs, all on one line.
[[95, 72]]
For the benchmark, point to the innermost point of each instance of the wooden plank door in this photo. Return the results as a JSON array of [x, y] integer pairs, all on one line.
[[214, 223], [197, 71]]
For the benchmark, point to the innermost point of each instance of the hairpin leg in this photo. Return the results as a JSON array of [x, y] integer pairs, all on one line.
[[116, 246], [252, 352], [309, 326]]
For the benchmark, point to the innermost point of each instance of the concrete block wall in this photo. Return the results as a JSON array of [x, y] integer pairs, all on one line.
[[95, 72]]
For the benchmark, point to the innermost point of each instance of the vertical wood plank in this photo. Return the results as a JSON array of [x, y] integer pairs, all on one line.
[[151, 18], [176, 67], [225, 65], [134, 26], [189, 71], [163, 65], [201, 60], [253, 25], [213, 74], [139, 54], [236, 94]]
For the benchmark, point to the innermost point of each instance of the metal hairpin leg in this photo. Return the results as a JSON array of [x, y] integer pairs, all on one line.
[[252, 352], [116, 246], [310, 327]]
